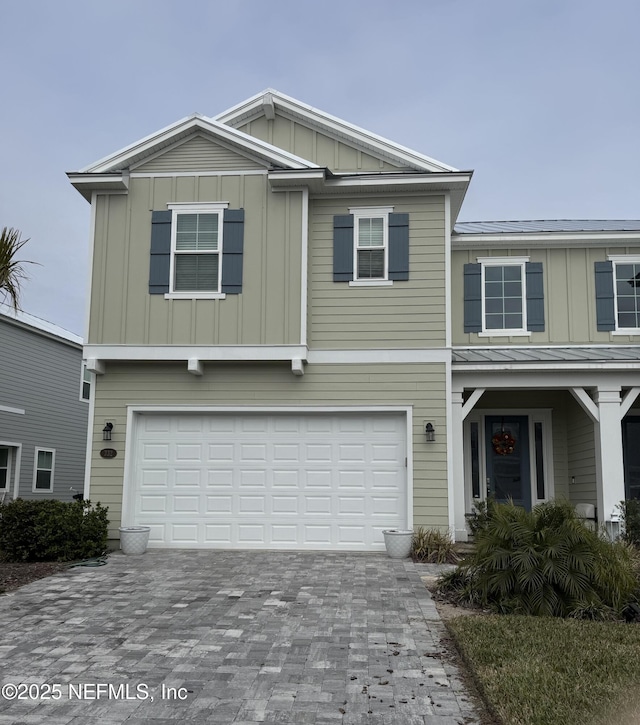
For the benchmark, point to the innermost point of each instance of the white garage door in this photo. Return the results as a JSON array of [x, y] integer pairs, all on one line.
[[275, 481]]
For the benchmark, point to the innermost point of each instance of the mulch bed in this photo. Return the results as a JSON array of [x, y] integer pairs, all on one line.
[[13, 575]]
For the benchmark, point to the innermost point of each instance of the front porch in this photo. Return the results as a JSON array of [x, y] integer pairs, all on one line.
[[534, 431]]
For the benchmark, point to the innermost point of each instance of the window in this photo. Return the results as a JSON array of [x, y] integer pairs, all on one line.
[[43, 469], [503, 296], [371, 235], [196, 247], [5, 473], [627, 294], [87, 379]]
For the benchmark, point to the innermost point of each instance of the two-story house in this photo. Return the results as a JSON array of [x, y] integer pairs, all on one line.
[[295, 346], [44, 408]]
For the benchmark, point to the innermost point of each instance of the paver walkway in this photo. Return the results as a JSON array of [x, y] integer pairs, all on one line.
[[229, 637]]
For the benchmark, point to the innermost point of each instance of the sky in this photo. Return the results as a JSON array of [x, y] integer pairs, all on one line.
[[541, 98]]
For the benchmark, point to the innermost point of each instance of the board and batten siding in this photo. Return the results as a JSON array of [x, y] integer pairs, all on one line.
[[421, 386], [569, 296], [314, 146], [409, 314], [266, 312], [41, 375]]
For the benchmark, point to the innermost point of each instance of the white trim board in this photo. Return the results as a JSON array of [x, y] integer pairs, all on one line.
[[10, 409]]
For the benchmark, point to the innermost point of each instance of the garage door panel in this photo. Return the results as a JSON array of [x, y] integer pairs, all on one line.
[[317, 481]]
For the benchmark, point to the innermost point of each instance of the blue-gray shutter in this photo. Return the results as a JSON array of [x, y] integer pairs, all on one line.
[[605, 311], [343, 247], [160, 257], [232, 249], [535, 297], [472, 297], [399, 246]]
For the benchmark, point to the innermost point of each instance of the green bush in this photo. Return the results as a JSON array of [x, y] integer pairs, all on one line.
[[545, 562], [49, 530], [630, 510], [433, 545]]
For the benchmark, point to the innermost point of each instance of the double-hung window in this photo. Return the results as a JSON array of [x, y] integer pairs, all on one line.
[[503, 296], [43, 469], [196, 250], [371, 244], [626, 278]]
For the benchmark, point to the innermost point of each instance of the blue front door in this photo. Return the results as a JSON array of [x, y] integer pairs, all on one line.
[[508, 468]]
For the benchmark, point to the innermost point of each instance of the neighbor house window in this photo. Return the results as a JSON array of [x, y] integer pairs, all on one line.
[[196, 249], [87, 379], [627, 294], [504, 297], [43, 469], [371, 244], [4, 469]]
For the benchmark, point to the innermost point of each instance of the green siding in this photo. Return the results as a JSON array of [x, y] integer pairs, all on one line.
[[421, 386], [267, 311], [315, 146], [569, 296], [198, 154], [581, 454], [408, 314]]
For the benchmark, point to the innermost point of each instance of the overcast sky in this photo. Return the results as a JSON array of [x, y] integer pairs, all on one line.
[[540, 97]]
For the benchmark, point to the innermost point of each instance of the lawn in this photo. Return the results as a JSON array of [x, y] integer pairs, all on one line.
[[551, 671]]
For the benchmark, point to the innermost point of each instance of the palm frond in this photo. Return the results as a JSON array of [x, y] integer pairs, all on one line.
[[12, 272]]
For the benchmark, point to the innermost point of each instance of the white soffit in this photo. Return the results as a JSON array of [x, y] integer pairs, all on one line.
[[331, 125]]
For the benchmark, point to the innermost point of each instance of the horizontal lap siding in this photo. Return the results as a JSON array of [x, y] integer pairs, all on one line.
[[581, 455], [42, 377], [569, 295], [266, 312], [407, 314], [419, 385]]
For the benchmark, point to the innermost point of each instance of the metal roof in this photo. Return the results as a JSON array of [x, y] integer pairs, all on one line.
[[525, 355], [24, 319], [550, 225]]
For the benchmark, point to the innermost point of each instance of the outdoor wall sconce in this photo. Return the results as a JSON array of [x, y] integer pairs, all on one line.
[[430, 432], [106, 432]]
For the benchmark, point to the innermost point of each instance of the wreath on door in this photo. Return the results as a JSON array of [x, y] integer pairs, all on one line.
[[503, 443]]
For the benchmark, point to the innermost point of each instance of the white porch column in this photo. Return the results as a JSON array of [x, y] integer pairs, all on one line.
[[608, 438], [456, 451]]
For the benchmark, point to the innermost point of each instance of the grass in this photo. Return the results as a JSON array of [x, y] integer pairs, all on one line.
[[551, 671]]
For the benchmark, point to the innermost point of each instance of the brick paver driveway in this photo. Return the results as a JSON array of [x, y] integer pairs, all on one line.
[[228, 637]]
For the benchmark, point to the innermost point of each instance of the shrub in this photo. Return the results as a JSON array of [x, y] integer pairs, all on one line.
[[49, 530], [630, 510], [480, 517], [434, 546], [546, 562]]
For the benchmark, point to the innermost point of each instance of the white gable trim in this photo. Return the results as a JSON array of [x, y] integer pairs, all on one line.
[[331, 125], [167, 136]]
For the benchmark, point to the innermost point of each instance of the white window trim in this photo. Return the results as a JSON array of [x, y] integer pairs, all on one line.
[[7, 484], [504, 262], [91, 382], [363, 212], [196, 208], [621, 259], [36, 469]]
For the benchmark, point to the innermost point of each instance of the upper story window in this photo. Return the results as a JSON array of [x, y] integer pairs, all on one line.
[[503, 296], [371, 243], [627, 285], [371, 246], [87, 380], [618, 294], [196, 250]]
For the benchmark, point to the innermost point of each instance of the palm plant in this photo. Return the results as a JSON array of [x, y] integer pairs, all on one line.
[[11, 269]]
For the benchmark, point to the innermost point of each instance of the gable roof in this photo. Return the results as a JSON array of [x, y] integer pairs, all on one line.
[[136, 152], [266, 102], [38, 325]]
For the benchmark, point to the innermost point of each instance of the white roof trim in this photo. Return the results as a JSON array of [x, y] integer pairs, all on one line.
[[529, 239], [49, 329], [337, 126], [146, 146]]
